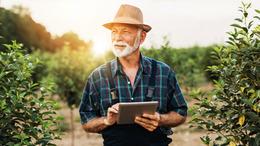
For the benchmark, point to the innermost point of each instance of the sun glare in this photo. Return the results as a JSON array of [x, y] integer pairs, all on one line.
[[101, 44]]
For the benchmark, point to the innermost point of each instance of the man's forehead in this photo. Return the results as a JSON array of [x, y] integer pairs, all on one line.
[[123, 26]]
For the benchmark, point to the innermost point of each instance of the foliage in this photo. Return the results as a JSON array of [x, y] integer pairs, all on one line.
[[21, 27], [64, 125], [73, 39], [188, 63], [233, 109], [69, 69], [18, 25], [70, 75], [26, 117]]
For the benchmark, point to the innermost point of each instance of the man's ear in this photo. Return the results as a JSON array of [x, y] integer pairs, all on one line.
[[142, 36]]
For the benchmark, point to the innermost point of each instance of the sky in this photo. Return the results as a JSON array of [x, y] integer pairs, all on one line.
[[185, 22]]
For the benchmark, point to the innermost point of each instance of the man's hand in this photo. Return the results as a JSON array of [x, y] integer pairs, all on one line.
[[148, 121], [111, 115]]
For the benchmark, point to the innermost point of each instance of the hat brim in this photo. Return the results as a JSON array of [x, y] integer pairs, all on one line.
[[145, 27]]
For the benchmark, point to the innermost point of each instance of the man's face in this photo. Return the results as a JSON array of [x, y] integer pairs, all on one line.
[[125, 39]]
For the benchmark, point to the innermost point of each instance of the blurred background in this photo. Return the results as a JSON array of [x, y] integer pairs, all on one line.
[[68, 38]]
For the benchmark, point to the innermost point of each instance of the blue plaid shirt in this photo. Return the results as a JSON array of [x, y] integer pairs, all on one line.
[[97, 98]]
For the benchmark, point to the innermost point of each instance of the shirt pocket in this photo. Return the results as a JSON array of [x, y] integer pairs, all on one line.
[[105, 101]]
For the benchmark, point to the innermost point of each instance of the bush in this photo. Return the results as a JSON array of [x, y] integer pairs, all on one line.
[[233, 109], [64, 125], [26, 118]]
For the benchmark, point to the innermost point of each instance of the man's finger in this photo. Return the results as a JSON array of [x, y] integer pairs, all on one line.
[[146, 126], [112, 110], [148, 122], [144, 120], [155, 116], [115, 106]]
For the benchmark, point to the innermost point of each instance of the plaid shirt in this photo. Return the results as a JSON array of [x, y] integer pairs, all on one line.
[[97, 98]]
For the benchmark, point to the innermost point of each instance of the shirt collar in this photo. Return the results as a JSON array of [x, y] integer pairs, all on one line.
[[144, 65]]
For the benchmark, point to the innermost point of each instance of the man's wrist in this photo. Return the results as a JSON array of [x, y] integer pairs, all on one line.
[[161, 120], [106, 122]]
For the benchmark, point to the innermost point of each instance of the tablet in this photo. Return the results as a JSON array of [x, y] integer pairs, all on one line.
[[128, 111]]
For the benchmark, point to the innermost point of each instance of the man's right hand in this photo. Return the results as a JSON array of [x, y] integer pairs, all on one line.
[[111, 115]]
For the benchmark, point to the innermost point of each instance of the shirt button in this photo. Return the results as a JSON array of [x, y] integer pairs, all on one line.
[[132, 98], [128, 83]]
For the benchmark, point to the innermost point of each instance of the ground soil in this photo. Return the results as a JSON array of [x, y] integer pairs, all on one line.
[[183, 135]]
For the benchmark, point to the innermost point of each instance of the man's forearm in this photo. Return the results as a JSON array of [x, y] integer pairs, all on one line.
[[95, 125], [172, 119]]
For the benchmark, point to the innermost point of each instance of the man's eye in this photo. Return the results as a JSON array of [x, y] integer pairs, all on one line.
[[126, 31]]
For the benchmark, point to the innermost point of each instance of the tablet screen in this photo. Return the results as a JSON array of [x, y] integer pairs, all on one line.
[[128, 111]]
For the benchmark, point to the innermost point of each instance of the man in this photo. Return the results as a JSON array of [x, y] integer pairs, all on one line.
[[131, 73]]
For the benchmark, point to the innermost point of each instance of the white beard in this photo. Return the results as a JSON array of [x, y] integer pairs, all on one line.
[[128, 49]]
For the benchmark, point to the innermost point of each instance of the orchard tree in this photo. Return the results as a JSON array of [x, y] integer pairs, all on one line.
[[26, 117], [70, 74], [233, 109]]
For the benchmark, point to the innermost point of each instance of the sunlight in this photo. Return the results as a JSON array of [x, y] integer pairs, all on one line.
[[101, 44]]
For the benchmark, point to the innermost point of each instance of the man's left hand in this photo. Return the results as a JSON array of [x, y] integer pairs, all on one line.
[[148, 121]]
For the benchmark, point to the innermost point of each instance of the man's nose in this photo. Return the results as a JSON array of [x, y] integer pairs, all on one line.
[[118, 37]]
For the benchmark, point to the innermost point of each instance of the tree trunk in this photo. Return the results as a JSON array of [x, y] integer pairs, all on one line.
[[72, 126]]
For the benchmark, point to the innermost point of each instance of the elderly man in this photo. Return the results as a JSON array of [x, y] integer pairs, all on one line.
[[131, 74]]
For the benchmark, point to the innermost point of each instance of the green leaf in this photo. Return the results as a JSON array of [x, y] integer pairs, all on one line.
[[248, 102], [7, 111], [26, 75], [243, 4], [253, 116], [10, 143], [249, 5], [231, 43], [257, 17], [44, 140], [250, 24], [3, 104], [17, 136], [257, 139], [258, 11], [245, 29], [24, 136], [57, 107], [253, 129], [2, 74], [239, 20], [251, 91], [236, 25]]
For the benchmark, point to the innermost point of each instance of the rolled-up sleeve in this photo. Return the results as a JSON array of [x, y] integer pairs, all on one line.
[[89, 107], [177, 102]]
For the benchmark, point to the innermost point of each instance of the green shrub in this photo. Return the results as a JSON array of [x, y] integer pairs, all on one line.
[[26, 118], [64, 125], [233, 109]]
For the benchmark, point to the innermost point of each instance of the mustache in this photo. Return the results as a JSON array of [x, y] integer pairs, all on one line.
[[121, 43]]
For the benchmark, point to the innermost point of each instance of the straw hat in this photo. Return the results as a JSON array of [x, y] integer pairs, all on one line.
[[128, 14]]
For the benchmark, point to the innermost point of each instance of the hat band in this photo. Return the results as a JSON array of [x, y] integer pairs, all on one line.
[[126, 20]]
